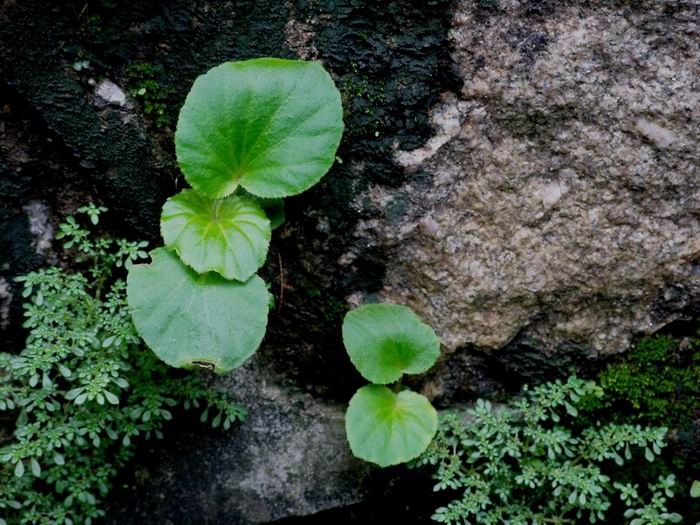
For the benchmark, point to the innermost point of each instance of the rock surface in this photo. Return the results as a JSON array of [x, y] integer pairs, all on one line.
[[288, 458], [564, 194]]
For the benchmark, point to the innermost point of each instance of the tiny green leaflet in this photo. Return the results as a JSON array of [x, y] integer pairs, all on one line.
[[191, 320], [269, 125], [695, 489], [229, 236], [384, 341], [387, 428]]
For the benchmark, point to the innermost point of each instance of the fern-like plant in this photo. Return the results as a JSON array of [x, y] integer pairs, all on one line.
[[249, 133], [84, 391], [528, 464]]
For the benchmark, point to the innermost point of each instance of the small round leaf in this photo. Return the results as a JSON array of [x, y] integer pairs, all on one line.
[[191, 320], [271, 125], [228, 236], [387, 428], [385, 341]]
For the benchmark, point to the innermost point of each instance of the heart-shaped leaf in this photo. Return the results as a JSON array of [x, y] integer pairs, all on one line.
[[228, 236], [385, 341], [271, 125], [191, 320], [387, 428]]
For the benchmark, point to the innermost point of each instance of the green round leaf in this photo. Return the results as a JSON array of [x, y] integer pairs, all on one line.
[[387, 428], [191, 320], [228, 236], [385, 341], [271, 125]]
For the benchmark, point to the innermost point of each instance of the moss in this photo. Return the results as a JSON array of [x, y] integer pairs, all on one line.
[[363, 98], [147, 86], [657, 383]]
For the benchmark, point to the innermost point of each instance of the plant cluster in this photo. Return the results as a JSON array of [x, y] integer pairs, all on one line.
[[384, 341], [658, 382], [249, 134], [84, 390], [528, 464], [146, 87]]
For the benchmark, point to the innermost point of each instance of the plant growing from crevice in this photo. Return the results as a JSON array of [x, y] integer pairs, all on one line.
[[388, 426], [249, 134], [658, 382], [530, 463], [146, 85], [84, 391]]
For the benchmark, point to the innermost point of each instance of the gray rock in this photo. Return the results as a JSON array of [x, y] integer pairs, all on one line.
[[5, 301], [107, 92], [38, 217], [293, 449], [288, 458], [564, 196]]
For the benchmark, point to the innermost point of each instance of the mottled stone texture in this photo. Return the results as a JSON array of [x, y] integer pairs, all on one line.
[[288, 458], [563, 199]]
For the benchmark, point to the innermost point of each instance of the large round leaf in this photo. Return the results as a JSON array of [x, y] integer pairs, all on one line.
[[228, 236], [387, 428], [385, 341], [271, 125], [191, 320]]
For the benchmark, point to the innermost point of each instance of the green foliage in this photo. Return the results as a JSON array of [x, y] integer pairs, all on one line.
[[652, 384], [192, 319], [273, 208], [270, 125], [384, 341], [387, 428], [146, 86], [84, 390], [227, 236], [528, 463], [657, 383], [249, 133]]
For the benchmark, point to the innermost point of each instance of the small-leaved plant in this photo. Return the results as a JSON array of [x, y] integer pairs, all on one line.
[[84, 391], [388, 426], [527, 463], [249, 134]]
